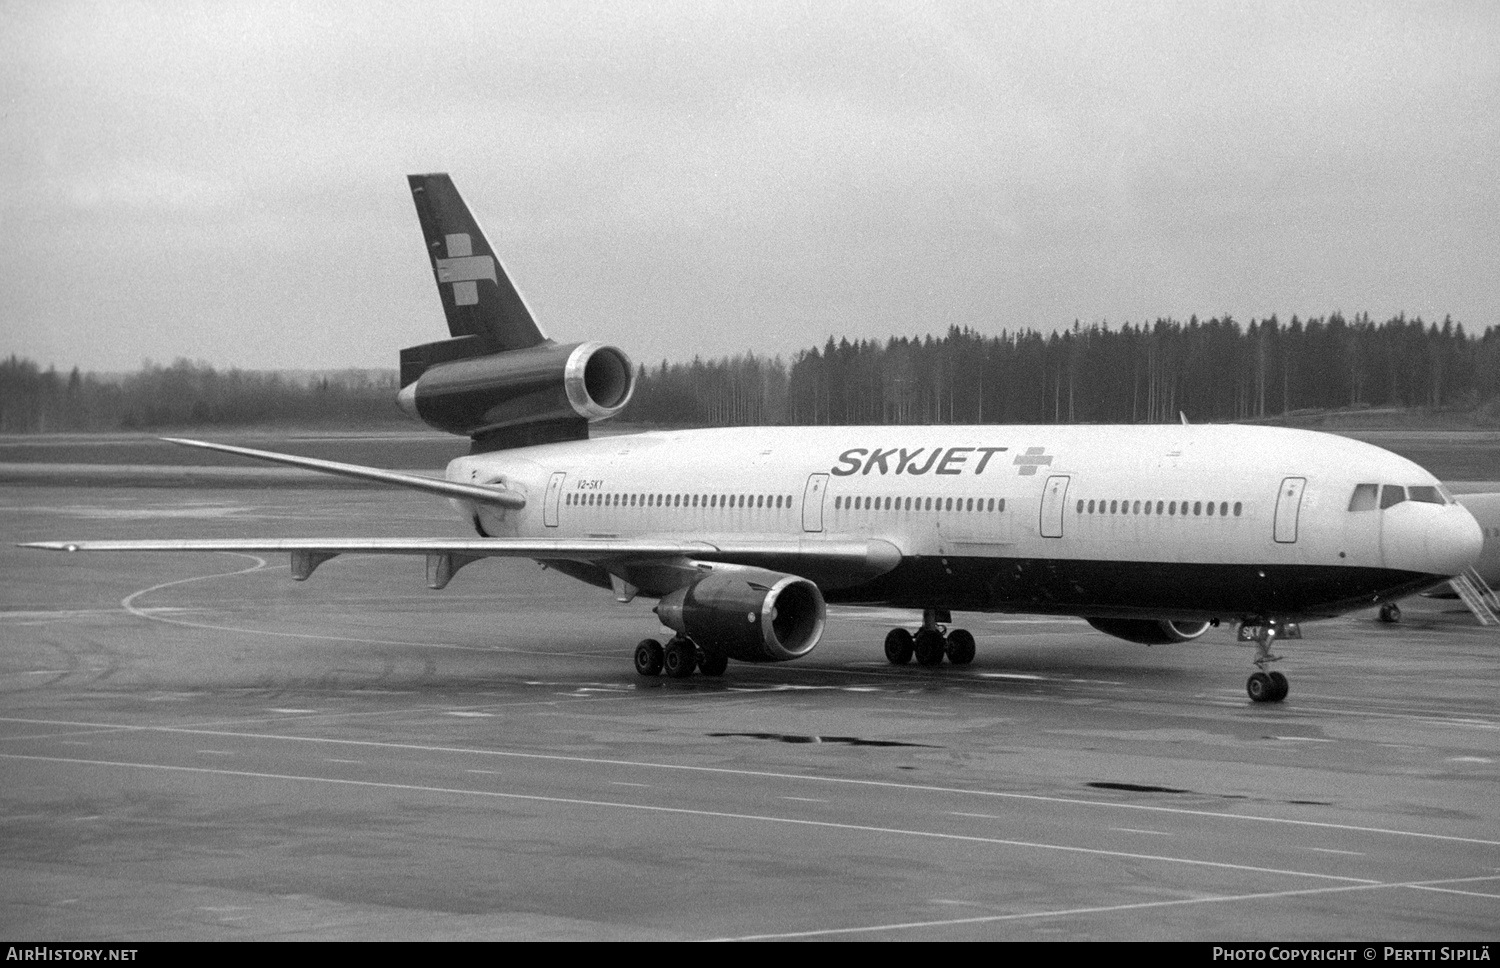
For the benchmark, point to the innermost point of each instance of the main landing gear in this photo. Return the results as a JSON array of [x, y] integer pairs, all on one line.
[[1266, 686], [931, 643], [678, 659], [1390, 613]]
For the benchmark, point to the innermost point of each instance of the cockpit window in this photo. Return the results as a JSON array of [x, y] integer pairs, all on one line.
[[1391, 495], [1363, 498], [1426, 494]]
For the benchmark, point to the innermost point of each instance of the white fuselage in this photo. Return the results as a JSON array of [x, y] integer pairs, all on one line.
[[1015, 515]]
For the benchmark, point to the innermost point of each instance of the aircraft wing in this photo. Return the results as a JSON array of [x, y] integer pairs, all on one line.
[[830, 561], [431, 485]]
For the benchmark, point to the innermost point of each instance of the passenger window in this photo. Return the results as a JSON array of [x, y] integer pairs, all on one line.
[[1391, 495], [1425, 494], [1238, 507]]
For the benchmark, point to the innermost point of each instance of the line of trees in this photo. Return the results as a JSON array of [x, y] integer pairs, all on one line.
[[1214, 370], [184, 394]]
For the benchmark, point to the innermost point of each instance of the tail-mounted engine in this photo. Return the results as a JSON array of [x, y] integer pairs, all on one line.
[[748, 614], [526, 396], [1148, 631]]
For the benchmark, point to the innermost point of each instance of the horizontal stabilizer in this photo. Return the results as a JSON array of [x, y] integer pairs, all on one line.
[[431, 485]]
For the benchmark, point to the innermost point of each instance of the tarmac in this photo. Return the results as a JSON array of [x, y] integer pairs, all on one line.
[[197, 747]]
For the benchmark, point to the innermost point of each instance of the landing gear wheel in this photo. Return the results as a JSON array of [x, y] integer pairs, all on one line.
[[898, 646], [1390, 613], [712, 665], [648, 657], [1264, 687], [960, 647], [927, 645], [680, 658]]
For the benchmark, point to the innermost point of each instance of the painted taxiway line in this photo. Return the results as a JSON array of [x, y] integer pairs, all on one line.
[[712, 814], [773, 775], [128, 604], [1108, 909]]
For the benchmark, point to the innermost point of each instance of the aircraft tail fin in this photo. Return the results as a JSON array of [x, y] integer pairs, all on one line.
[[483, 307], [498, 378]]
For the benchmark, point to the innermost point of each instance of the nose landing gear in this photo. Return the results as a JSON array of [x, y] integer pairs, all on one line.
[[931, 642], [1266, 686]]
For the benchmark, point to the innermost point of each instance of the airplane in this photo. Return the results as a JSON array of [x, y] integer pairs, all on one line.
[[1152, 534]]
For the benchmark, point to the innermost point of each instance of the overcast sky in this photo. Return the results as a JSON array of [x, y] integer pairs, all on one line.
[[224, 181]]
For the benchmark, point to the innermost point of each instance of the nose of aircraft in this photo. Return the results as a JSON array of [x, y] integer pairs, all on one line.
[[1430, 539]]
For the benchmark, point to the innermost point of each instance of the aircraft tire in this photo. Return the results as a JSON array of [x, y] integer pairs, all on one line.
[[1260, 688], [1282, 687], [680, 658], [712, 665], [1390, 613], [648, 657], [961, 647], [898, 646], [927, 645]]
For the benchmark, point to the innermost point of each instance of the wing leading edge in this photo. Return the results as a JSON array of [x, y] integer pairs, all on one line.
[[430, 485], [837, 560]]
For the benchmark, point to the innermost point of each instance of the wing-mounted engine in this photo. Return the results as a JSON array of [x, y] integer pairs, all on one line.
[[534, 395], [1148, 631], [749, 614]]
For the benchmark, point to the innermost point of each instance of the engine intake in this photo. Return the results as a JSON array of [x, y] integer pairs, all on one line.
[[749, 614], [545, 385], [1149, 631]]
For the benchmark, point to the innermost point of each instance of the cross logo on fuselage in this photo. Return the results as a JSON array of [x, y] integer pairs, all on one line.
[[1033, 458]]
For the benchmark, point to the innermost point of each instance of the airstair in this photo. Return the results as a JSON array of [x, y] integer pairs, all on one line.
[[1477, 595]]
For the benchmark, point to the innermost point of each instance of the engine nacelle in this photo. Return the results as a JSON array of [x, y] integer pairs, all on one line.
[[748, 614], [496, 392], [1149, 631]]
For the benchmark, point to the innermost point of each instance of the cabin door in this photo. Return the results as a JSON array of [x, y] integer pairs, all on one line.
[[1288, 507], [812, 502], [554, 497], [1054, 501]]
